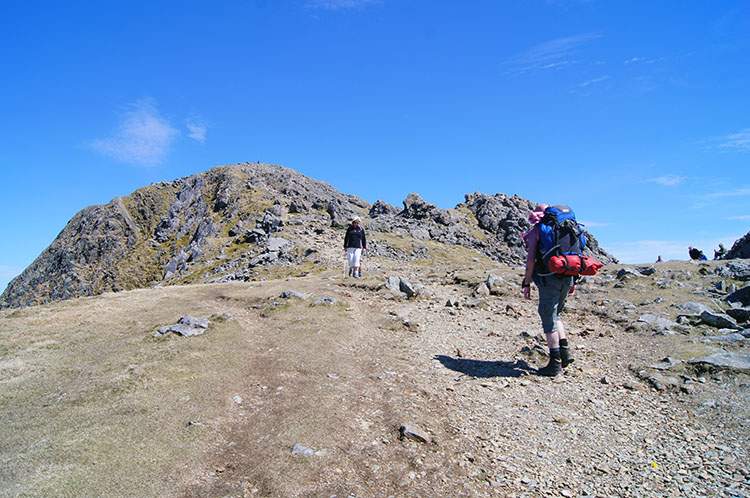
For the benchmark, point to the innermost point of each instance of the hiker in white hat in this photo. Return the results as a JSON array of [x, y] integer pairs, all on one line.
[[355, 243]]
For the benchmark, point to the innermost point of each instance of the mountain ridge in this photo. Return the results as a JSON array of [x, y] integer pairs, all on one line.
[[217, 225]]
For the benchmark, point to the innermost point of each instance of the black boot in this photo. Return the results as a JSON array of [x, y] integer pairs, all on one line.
[[554, 367], [565, 356], [351, 271]]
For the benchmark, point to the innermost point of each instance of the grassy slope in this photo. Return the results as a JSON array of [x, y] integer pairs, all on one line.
[[92, 404]]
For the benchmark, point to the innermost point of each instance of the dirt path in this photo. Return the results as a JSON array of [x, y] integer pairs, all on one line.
[[345, 382]]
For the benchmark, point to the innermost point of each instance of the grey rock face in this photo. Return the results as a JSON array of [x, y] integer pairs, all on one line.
[[506, 218], [79, 260], [740, 249], [383, 208], [341, 214]]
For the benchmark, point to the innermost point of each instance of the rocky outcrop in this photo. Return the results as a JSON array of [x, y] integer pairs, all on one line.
[[740, 249], [178, 232], [81, 261]]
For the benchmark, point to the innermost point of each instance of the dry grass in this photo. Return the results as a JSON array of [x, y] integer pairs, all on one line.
[[93, 405]]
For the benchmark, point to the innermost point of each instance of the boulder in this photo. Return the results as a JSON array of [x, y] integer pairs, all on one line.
[[735, 270], [291, 293], [693, 307], [724, 359], [278, 244], [407, 288], [732, 338], [408, 431], [393, 284], [626, 273], [719, 320], [742, 315], [657, 321], [741, 296], [187, 326], [645, 270], [493, 283], [192, 321], [481, 290]]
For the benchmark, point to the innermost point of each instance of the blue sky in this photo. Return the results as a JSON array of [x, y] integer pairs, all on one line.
[[634, 113]]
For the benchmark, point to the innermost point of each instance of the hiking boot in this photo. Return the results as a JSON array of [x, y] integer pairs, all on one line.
[[565, 357], [554, 367], [351, 271]]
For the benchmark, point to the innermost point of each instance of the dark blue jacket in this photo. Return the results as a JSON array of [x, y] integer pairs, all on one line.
[[355, 237]]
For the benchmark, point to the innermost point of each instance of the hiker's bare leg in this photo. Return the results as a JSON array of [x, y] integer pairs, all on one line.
[[553, 340]]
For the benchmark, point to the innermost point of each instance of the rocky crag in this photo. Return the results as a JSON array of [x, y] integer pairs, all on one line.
[[740, 249], [250, 221]]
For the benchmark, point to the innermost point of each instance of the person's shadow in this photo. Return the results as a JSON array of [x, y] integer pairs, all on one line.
[[485, 369]]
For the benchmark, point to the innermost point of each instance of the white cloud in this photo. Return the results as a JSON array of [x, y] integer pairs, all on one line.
[[737, 141], [597, 224], [594, 81], [551, 54], [144, 136], [339, 4], [740, 192], [641, 60], [738, 218], [668, 180], [197, 130]]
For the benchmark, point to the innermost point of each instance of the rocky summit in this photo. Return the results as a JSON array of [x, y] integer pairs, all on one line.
[[251, 221]]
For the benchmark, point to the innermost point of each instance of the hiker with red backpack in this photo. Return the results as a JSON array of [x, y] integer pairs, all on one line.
[[554, 260]]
